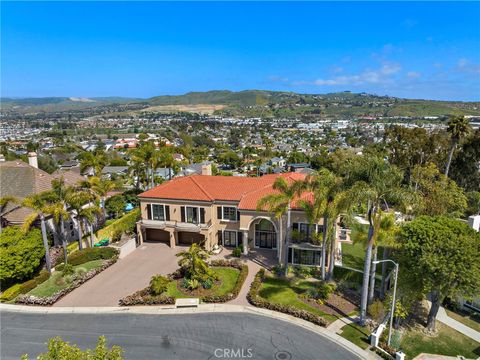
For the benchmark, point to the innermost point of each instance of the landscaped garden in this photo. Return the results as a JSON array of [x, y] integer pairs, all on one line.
[[302, 295], [81, 266], [217, 281], [471, 320]]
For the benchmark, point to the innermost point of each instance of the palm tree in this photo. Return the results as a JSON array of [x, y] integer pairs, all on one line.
[[100, 188], [82, 202], [384, 234], [458, 127], [96, 161], [375, 182], [4, 202], [193, 261], [280, 203], [37, 203], [325, 186]]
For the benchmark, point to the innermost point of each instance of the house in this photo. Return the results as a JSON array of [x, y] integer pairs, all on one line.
[[204, 168], [19, 180], [297, 167], [222, 210], [277, 162], [108, 171]]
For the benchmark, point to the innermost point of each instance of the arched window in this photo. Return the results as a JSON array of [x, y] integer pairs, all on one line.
[[265, 234]]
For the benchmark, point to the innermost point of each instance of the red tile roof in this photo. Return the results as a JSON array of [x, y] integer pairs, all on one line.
[[246, 190]]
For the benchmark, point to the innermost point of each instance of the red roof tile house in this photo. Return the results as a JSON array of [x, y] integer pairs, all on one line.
[[222, 210]]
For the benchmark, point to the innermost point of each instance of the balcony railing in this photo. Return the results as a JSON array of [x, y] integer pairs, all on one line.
[[179, 225]]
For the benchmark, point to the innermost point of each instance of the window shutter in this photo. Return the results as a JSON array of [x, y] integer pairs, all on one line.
[[238, 215], [290, 253], [202, 215], [295, 226], [239, 238], [149, 212], [220, 239], [182, 213], [219, 212], [167, 213]]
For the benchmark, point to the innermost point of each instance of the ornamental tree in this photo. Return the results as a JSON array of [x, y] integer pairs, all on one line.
[[439, 256], [20, 254]]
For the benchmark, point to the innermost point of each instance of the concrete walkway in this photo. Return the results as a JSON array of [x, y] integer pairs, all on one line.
[[338, 324], [443, 317]]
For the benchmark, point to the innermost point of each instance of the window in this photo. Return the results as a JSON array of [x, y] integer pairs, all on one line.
[[306, 231], [306, 257], [229, 238], [158, 212], [193, 215], [227, 213]]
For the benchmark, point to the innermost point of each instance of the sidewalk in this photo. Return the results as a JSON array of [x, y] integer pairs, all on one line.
[[457, 325], [338, 324]]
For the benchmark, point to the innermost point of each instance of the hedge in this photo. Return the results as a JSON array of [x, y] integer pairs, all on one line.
[[126, 224], [256, 300], [90, 254], [144, 296], [18, 289]]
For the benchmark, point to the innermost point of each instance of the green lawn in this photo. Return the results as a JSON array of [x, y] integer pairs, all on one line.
[[356, 334], [465, 319], [353, 255], [449, 342], [283, 292], [49, 287], [228, 278]]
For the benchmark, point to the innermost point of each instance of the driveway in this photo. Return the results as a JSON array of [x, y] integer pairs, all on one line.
[[124, 277]]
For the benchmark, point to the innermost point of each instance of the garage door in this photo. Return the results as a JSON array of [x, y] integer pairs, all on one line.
[[188, 238], [156, 235]]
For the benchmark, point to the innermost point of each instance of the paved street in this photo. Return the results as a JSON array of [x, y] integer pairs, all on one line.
[[124, 277], [169, 337]]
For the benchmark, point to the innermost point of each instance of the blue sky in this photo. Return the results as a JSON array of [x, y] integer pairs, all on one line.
[[414, 50]]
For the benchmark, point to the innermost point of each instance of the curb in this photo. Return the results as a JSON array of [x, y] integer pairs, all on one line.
[[203, 308]]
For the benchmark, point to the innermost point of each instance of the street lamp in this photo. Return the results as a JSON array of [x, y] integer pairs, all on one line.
[[394, 294]]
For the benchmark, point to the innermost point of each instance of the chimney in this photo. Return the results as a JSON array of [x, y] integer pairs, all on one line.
[[206, 169], [2, 158], [32, 159]]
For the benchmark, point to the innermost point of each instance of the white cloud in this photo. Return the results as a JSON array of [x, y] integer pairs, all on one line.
[[276, 78], [464, 65], [413, 74], [377, 76]]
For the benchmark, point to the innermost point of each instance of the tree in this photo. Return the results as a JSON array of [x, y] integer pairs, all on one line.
[[84, 204], [441, 255], [326, 189], [115, 205], [458, 127], [96, 161], [100, 188], [438, 194], [193, 262], [59, 349], [465, 168], [280, 203], [376, 183], [21, 254]]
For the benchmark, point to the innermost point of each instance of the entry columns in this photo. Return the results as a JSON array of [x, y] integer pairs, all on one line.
[[245, 242]]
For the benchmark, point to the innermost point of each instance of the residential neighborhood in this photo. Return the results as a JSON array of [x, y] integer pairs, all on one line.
[[240, 180]]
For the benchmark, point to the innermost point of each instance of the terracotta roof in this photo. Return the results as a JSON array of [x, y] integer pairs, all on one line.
[[246, 190]]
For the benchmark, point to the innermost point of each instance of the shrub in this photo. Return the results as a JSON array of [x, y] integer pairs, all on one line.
[[192, 284], [20, 254], [80, 272], [377, 310], [90, 254], [68, 270], [60, 281], [278, 270], [305, 271], [28, 285], [207, 284], [238, 285], [158, 284], [237, 252], [42, 277], [59, 267], [11, 293]]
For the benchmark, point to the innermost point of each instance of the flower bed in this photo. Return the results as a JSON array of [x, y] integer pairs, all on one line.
[[49, 300], [255, 299], [144, 296]]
